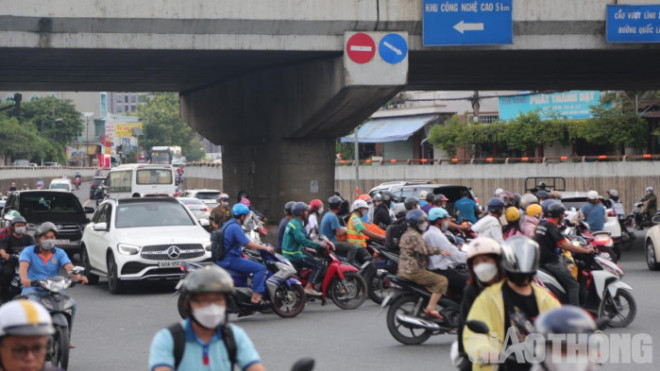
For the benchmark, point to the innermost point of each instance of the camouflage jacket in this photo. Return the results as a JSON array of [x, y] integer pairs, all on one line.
[[414, 252]]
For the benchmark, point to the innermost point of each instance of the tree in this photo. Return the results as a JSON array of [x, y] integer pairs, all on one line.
[[18, 141], [55, 119], [451, 135], [164, 127]]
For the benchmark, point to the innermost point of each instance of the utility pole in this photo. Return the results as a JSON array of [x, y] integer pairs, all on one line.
[[356, 156], [87, 116]]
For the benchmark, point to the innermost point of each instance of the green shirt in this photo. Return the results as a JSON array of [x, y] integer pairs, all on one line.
[[295, 240]]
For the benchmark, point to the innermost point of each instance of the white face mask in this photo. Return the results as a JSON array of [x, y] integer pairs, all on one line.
[[320, 210], [485, 272], [210, 316], [445, 225], [20, 230], [224, 203], [48, 244]]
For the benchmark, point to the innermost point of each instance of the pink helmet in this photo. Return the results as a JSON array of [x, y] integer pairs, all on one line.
[[245, 202]]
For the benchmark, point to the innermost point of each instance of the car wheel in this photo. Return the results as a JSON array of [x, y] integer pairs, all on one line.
[[651, 258], [114, 283], [92, 278]]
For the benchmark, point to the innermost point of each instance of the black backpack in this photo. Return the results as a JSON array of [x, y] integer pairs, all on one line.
[[218, 244], [179, 336]]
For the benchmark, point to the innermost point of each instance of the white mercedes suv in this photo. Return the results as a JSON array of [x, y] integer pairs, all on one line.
[[136, 239]]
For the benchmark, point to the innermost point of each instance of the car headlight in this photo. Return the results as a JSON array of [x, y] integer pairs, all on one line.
[[208, 246], [127, 249]]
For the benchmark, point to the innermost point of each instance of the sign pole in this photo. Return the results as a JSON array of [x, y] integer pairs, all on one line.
[[356, 156]]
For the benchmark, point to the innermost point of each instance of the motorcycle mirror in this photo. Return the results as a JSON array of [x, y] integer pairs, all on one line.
[[304, 364], [478, 327], [204, 222], [656, 219], [77, 270]]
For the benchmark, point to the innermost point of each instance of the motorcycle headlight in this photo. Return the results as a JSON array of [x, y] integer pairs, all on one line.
[[128, 249]]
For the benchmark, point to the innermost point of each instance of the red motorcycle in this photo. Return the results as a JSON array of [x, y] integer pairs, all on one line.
[[341, 281], [77, 183]]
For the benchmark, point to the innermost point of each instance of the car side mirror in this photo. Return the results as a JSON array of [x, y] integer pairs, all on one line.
[[101, 227], [478, 327], [204, 222], [89, 210]]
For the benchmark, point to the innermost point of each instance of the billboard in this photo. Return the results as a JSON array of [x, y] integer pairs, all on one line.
[[570, 105], [125, 130]]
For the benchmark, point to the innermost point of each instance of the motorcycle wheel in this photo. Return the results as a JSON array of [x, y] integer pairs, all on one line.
[[288, 301], [180, 306], [376, 287], [60, 348], [627, 240], [620, 309], [349, 293], [406, 305]]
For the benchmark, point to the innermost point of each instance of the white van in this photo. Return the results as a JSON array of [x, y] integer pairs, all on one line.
[[140, 180], [61, 184]]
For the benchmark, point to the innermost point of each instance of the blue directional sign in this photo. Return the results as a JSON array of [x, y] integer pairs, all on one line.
[[633, 23], [393, 48], [467, 22]]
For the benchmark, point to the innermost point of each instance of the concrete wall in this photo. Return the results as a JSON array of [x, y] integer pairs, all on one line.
[[30, 176]]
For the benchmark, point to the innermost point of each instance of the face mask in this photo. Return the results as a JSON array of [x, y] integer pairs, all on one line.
[[224, 203], [210, 316], [485, 272], [392, 205], [20, 230], [423, 226], [47, 244], [321, 210], [445, 225], [365, 218]]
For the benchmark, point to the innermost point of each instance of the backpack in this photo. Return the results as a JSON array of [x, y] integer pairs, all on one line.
[[178, 334], [218, 251]]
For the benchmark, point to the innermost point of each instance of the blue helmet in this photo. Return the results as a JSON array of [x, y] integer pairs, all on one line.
[[545, 205], [495, 204], [437, 213], [298, 208], [567, 319], [239, 209], [414, 217]]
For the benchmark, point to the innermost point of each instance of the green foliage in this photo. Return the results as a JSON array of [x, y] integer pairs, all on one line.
[[19, 141], [164, 127], [347, 150], [616, 127], [450, 136], [55, 119]]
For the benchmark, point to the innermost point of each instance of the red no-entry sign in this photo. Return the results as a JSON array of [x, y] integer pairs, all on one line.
[[361, 48]]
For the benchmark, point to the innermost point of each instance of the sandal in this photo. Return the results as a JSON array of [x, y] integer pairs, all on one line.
[[433, 314]]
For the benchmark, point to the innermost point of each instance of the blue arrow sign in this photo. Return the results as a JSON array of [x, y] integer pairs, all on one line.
[[393, 48], [633, 23], [467, 22]]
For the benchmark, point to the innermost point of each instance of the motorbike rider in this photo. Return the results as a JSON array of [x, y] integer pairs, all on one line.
[[399, 226], [450, 257], [615, 203], [295, 241], [40, 183], [483, 256], [489, 225], [382, 217], [414, 260], [649, 206], [222, 212], [43, 260], [422, 198], [570, 355], [430, 203], [508, 307], [9, 246], [25, 328], [205, 335], [357, 233], [528, 199], [315, 211], [13, 187], [234, 240], [333, 231], [593, 212], [285, 220], [552, 243], [532, 217], [512, 215], [9, 216]]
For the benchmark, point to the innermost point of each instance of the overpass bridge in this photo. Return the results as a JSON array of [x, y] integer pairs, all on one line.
[[268, 79]]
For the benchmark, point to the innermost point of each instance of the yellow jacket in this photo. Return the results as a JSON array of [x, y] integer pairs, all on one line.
[[488, 307]]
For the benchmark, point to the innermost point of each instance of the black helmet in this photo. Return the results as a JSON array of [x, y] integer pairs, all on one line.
[[45, 228], [334, 202], [430, 197], [542, 195], [298, 208], [387, 197], [208, 279], [18, 219], [556, 210], [288, 206], [520, 259], [410, 203], [567, 319]]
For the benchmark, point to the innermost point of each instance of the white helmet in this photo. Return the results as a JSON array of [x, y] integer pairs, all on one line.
[[497, 192], [481, 246], [592, 195], [649, 189], [528, 199], [359, 204], [25, 318]]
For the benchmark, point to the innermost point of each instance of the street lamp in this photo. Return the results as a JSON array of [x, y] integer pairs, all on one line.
[[87, 116]]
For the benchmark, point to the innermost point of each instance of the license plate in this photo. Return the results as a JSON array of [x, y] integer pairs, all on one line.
[[62, 242], [169, 264]]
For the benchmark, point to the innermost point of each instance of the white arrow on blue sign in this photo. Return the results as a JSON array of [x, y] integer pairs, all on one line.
[[467, 22], [393, 48]]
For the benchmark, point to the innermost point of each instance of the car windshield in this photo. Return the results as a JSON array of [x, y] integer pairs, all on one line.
[[59, 186], [54, 202], [152, 214], [208, 195]]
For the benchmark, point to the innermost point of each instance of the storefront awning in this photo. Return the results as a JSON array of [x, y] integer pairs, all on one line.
[[390, 129]]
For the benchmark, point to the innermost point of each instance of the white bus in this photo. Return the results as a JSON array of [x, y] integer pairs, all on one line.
[[141, 180]]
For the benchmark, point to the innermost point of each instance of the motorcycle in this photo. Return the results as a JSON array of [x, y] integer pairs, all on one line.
[[100, 194], [383, 262], [405, 315], [77, 183], [283, 290], [60, 307], [602, 292], [599, 240], [342, 281]]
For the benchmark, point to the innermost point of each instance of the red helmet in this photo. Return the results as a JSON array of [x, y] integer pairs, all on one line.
[[364, 197], [315, 204]]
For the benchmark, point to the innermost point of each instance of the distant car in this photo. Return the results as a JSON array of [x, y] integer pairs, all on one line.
[[21, 163], [61, 208], [135, 239], [197, 207], [403, 190], [208, 196], [652, 245], [61, 184]]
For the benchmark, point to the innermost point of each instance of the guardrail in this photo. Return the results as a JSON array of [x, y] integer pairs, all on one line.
[[12, 167], [504, 160]]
